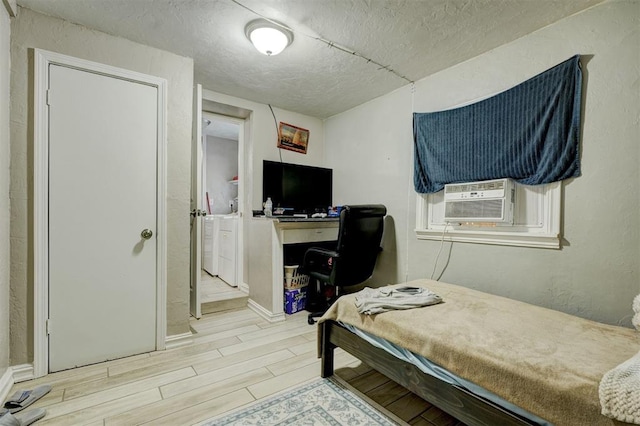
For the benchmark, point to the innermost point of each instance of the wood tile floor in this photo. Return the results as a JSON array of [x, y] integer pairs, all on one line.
[[236, 358], [213, 289], [216, 295]]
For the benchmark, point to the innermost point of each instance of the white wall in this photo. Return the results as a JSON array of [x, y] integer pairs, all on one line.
[[596, 274], [5, 68], [33, 30], [369, 149], [221, 166]]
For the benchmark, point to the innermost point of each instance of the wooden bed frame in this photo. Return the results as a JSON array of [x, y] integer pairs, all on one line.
[[458, 402]]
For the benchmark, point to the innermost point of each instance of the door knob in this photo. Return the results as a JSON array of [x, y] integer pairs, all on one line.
[[146, 234]]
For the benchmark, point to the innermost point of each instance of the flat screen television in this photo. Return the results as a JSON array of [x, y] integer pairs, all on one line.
[[298, 189]]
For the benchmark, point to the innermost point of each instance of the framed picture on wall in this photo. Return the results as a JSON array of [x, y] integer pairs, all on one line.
[[293, 138]]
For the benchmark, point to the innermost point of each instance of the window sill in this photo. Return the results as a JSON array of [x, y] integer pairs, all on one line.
[[549, 241]]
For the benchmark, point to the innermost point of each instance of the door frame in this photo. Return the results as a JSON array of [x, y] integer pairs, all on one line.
[[195, 236], [242, 117], [42, 60], [241, 123]]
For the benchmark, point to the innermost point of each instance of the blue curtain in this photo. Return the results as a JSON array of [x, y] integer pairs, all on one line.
[[529, 133]]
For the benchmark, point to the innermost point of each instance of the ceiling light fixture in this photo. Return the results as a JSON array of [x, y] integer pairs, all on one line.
[[268, 37]]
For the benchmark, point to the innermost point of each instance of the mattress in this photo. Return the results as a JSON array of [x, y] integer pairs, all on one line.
[[547, 362]]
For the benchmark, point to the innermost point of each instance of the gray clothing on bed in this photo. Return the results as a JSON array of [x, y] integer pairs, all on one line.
[[371, 301]]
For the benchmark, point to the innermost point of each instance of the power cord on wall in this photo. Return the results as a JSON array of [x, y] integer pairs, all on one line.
[[277, 130], [435, 264], [410, 193]]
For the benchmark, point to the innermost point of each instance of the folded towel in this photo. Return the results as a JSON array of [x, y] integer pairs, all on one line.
[[619, 391], [371, 301]]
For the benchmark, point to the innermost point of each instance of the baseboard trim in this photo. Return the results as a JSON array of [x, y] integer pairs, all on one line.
[[23, 372], [6, 382], [244, 287], [268, 315], [12, 375], [178, 340]]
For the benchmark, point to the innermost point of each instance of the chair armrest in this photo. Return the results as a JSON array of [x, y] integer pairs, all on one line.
[[318, 259]]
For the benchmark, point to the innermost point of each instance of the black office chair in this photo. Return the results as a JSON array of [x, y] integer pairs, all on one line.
[[352, 261]]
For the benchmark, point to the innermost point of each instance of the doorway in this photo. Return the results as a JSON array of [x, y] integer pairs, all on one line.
[[205, 104], [221, 257]]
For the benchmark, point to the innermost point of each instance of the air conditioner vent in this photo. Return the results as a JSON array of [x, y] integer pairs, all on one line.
[[484, 209], [487, 201]]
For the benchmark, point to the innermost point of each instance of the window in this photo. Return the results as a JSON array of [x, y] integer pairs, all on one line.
[[536, 220]]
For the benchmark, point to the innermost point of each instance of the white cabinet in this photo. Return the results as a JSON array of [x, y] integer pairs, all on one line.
[[210, 230], [227, 236], [219, 235]]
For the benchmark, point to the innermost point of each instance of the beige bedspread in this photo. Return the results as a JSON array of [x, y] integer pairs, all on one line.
[[545, 361]]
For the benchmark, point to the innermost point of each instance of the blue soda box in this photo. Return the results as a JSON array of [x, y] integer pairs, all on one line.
[[295, 300]]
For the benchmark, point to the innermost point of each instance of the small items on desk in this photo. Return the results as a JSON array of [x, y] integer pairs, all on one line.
[[268, 207], [334, 211]]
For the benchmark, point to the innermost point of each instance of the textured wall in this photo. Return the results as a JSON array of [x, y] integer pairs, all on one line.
[[32, 30], [5, 67], [261, 265], [596, 274], [221, 164]]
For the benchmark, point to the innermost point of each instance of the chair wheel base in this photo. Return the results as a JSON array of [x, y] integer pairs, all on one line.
[[311, 321]]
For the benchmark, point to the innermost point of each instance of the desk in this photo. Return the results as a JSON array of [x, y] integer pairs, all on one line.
[[266, 257]]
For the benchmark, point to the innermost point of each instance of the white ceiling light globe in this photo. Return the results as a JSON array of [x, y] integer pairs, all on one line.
[[268, 38], [268, 41]]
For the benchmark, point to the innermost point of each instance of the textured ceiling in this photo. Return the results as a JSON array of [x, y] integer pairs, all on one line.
[[414, 38]]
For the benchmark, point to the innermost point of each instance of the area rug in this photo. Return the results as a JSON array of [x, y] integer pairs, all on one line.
[[322, 402]]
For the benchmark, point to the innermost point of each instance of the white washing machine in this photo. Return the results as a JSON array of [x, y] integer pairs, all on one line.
[[210, 229]]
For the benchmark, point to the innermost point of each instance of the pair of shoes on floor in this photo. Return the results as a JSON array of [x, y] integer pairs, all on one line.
[[18, 402], [29, 417]]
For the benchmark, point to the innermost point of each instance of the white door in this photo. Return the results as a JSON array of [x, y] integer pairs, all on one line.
[[196, 205], [102, 195]]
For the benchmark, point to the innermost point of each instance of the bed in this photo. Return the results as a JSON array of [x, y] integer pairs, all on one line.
[[485, 359]]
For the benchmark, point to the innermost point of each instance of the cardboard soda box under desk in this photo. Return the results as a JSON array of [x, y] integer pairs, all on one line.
[[295, 300], [295, 289]]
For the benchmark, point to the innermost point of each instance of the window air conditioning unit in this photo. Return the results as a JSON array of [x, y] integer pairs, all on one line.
[[489, 201]]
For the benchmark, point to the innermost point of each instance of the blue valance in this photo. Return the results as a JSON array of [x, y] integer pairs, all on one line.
[[529, 133]]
